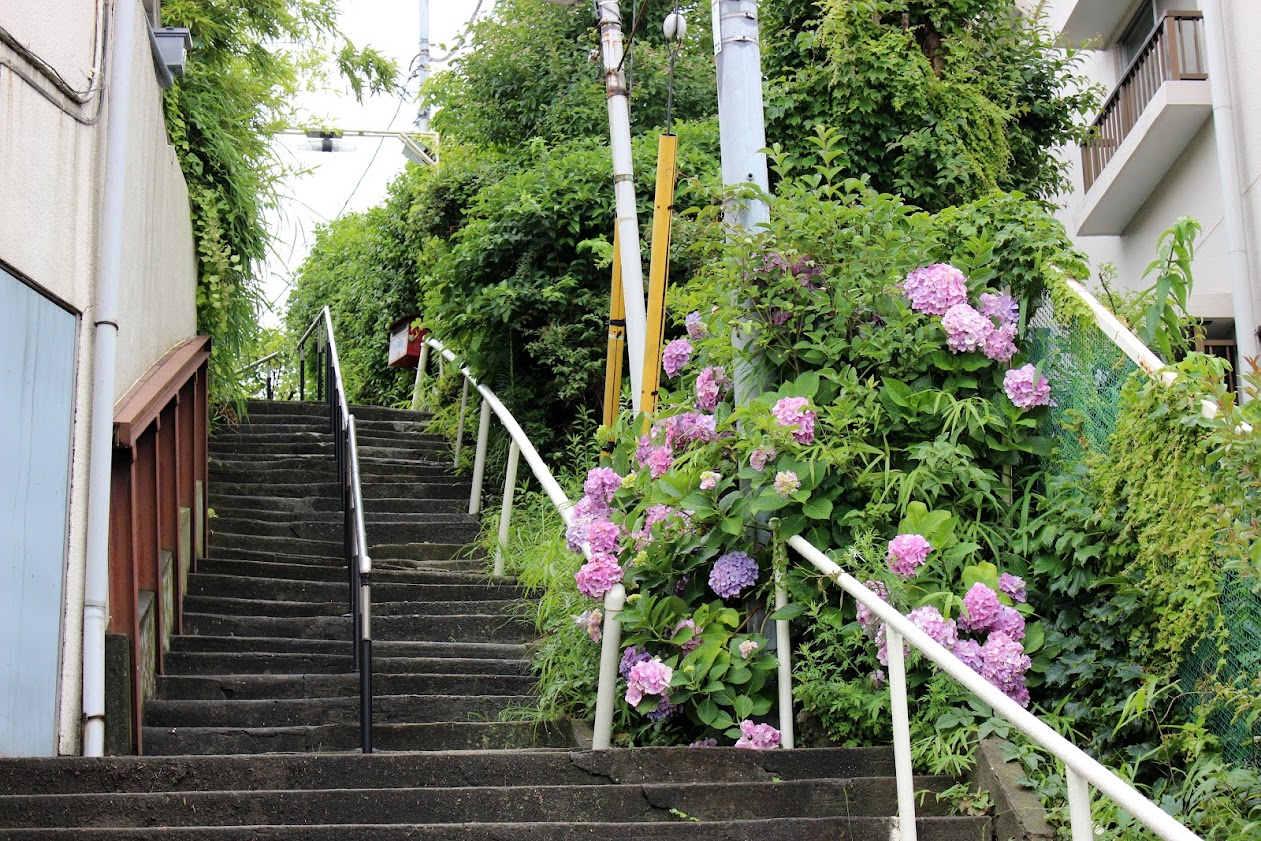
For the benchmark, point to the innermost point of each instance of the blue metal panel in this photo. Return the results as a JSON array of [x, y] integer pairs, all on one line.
[[37, 371]]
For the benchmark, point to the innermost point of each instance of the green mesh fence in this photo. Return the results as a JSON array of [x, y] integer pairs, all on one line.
[[1089, 371]]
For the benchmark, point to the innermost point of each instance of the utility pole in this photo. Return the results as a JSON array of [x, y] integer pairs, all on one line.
[[609, 16], [742, 134], [422, 66]]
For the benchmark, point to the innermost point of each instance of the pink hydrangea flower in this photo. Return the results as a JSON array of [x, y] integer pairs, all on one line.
[[863, 613], [791, 412], [733, 573], [758, 736], [759, 457], [882, 647], [1000, 344], [591, 621], [1013, 586], [935, 289], [675, 356], [982, 607], [695, 327], [969, 651], [1026, 388], [709, 480], [657, 515], [907, 553], [659, 461], [929, 620], [704, 743], [603, 537], [966, 329], [689, 427], [631, 656], [748, 648], [1002, 308], [585, 512], [602, 483], [1004, 663], [711, 385], [695, 642], [786, 482], [597, 576], [651, 677]]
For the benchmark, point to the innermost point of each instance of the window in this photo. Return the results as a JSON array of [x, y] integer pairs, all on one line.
[[1141, 26]]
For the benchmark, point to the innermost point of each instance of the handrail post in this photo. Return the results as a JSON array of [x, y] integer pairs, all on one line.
[[365, 661], [479, 462], [302, 371], [784, 655], [1079, 819], [610, 655], [901, 735], [421, 365], [459, 429], [505, 510]]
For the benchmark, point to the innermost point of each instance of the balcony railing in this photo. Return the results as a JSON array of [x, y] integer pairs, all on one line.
[[1174, 52]]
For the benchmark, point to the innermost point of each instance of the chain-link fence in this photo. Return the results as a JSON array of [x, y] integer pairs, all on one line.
[[1089, 372]]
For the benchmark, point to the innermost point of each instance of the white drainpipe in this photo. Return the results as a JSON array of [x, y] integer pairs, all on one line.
[[1228, 172], [105, 343]]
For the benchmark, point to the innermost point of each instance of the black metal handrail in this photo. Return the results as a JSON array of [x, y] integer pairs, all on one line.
[[329, 385]]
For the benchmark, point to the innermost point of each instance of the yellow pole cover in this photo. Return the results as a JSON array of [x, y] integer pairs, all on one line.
[[659, 268]]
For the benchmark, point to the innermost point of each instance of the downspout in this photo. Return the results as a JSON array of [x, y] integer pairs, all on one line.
[[104, 353], [1228, 172], [610, 20]]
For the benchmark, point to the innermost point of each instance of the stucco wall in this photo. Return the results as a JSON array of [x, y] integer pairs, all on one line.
[[1191, 187], [50, 194]]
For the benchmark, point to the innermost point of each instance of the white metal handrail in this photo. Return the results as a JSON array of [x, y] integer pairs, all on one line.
[[1082, 770]]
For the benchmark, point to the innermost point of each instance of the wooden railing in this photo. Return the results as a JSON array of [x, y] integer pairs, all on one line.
[[157, 523], [1174, 52]]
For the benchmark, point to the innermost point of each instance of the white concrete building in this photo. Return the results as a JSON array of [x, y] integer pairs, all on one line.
[[1178, 134], [71, 93]]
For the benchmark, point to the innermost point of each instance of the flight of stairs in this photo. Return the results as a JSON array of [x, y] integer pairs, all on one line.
[[254, 733]]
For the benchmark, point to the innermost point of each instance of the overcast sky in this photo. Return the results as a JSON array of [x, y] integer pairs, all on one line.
[[393, 27]]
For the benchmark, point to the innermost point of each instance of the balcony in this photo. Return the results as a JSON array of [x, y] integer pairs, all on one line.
[[1161, 103]]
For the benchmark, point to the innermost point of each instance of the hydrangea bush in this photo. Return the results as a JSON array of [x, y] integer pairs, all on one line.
[[894, 422]]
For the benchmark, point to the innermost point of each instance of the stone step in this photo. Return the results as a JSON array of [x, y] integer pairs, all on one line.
[[469, 627], [272, 712], [771, 829], [409, 648], [696, 801], [284, 663], [229, 606], [248, 447], [262, 477], [241, 587], [295, 568], [396, 543], [394, 529], [367, 433], [343, 683], [464, 735], [451, 487], [230, 507], [70, 775]]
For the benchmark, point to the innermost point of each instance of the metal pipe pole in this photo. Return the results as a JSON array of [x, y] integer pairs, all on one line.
[[479, 461], [505, 510], [903, 769], [610, 654], [610, 20], [422, 67], [742, 134]]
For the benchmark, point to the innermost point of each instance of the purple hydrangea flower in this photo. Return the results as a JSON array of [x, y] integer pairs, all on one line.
[[658, 514], [1010, 622], [631, 656], [1004, 663], [929, 620], [863, 613], [659, 461], [733, 573], [935, 289], [1013, 586], [704, 743], [882, 647], [695, 327], [1000, 344], [602, 483], [966, 329], [759, 457], [786, 482], [603, 537], [1004, 309], [688, 427], [695, 642], [675, 356], [969, 651], [791, 412], [597, 576], [758, 736], [711, 385], [982, 607], [907, 553], [591, 621], [650, 677], [1026, 388], [585, 513], [664, 709]]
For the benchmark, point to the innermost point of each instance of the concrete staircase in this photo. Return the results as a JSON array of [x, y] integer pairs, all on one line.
[[254, 733]]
